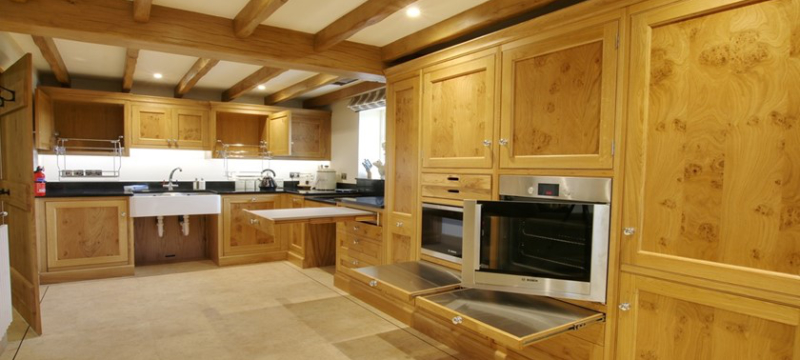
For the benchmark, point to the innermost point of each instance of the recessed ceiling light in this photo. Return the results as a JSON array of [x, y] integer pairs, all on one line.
[[158, 75], [413, 12], [262, 87]]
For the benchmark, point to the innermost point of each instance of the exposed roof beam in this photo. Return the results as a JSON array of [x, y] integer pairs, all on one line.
[[300, 88], [188, 33], [141, 10], [368, 14], [253, 14], [350, 91], [131, 57], [488, 13], [53, 57], [249, 83], [200, 68]]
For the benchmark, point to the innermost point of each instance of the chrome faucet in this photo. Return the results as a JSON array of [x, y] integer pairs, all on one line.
[[170, 185]]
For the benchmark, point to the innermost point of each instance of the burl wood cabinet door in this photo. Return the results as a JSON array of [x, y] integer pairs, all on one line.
[[311, 136], [279, 133], [402, 168], [190, 128], [152, 125], [712, 180], [559, 100], [458, 114], [665, 320], [239, 237], [85, 233]]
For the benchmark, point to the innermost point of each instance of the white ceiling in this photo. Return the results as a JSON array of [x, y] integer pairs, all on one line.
[[85, 60]]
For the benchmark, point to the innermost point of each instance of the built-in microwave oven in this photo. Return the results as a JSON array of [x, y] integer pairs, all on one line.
[[442, 228], [546, 236]]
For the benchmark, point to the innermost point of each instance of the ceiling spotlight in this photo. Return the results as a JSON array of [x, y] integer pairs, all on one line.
[[158, 75], [413, 12], [262, 87]]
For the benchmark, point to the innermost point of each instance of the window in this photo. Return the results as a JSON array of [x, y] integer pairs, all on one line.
[[371, 141]]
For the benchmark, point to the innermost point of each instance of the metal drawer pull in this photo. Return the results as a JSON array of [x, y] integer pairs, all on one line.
[[122, 214], [356, 228], [503, 142], [399, 224], [5, 192], [452, 178], [457, 320], [254, 221], [373, 283], [628, 231], [252, 199], [355, 241], [487, 143], [625, 306], [355, 262]]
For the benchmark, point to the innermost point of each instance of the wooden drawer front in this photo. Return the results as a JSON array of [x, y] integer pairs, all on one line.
[[454, 186], [363, 249], [351, 262], [363, 230]]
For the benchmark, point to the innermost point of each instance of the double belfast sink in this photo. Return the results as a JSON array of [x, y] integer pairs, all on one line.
[[174, 203]]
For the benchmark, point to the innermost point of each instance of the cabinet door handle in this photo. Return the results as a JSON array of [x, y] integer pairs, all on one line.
[[452, 178], [356, 228], [625, 306], [254, 221], [355, 241], [122, 214], [252, 199], [399, 224], [503, 142], [487, 143], [373, 283], [5, 192], [457, 320], [355, 262]]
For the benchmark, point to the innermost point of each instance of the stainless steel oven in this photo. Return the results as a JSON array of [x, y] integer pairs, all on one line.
[[546, 236], [442, 228]]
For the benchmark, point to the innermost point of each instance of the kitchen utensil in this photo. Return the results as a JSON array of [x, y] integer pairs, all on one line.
[[268, 182]]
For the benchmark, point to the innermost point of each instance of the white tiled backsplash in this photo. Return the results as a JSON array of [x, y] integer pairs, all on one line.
[[155, 165]]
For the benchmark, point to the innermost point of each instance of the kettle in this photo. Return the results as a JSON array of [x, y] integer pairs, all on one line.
[[268, 182]]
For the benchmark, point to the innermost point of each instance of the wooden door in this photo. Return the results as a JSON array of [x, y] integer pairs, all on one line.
[[152, 125], [310, 136], [280, 131], [16, 167], [712, 180], [190, 127], [296, 231], [458, 112], [666, 320], [559, 100], [239, 238], [402, 169], [86, 233]]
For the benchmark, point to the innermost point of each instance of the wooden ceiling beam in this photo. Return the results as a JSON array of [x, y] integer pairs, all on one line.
[[301, 88], [131, 57], [141, 10], [50, 52], [367, 14], [348, 92], [187, 33], [253, 14], [200, 68], [481, 16], [249, 83]]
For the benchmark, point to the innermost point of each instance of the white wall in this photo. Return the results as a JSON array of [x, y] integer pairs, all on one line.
[[344, 140], [155, 165]]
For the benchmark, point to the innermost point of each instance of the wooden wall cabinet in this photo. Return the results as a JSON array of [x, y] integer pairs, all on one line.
[[169, 126], [401, 242], [238, 237], [667, 320], [280, 132], [711, 187], [310, 135], [458, 112], [559, 100]]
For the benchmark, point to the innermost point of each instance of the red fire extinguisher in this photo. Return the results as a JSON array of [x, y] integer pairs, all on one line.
[[39, 182]]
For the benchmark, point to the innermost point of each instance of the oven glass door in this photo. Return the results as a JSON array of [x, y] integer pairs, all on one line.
[[442, 229], [537, 239]]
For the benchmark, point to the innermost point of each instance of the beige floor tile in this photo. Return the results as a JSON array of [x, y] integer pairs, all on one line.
[[395, 344], [338, 319]]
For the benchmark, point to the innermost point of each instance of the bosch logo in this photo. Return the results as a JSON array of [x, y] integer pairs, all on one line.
[[530, 280]]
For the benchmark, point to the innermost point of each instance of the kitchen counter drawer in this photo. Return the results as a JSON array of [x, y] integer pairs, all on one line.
[[457, 186], [363, 230], [362, 245]]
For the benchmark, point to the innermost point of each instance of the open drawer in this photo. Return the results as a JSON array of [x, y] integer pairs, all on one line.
[[513, 320], [266, 220], [405, 281]]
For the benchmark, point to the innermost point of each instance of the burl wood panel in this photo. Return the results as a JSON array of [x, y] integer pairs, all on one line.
[[233, 128], [87, 232], [306, 137], [722, 140], [458, 116], [406, 149], [557, 102], [173, 246], [154, 125], [677, 329], [88, 121], [242, 234], [190, 127]]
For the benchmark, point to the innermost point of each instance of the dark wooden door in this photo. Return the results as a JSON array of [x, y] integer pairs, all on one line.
[[16, 179]]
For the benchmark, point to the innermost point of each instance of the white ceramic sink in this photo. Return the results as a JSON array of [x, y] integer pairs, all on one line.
[[174, 203]]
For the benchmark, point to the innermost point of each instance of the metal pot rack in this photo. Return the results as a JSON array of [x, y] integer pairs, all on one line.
[[114, 148], [241, 151]]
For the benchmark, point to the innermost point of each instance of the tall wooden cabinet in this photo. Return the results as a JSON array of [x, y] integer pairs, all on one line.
[[712, 182], [559, 100], [401, 239], [458, 112]]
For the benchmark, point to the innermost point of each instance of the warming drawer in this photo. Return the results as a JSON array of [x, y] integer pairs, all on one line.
[[514, 320]]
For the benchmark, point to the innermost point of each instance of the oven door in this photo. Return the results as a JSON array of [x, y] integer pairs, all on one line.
[[442, 228], [538, 247]]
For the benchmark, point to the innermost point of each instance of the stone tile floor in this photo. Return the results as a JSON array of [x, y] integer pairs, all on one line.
[[195, 310]]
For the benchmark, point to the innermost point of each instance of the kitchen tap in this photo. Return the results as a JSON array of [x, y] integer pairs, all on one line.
[[170, 185]]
